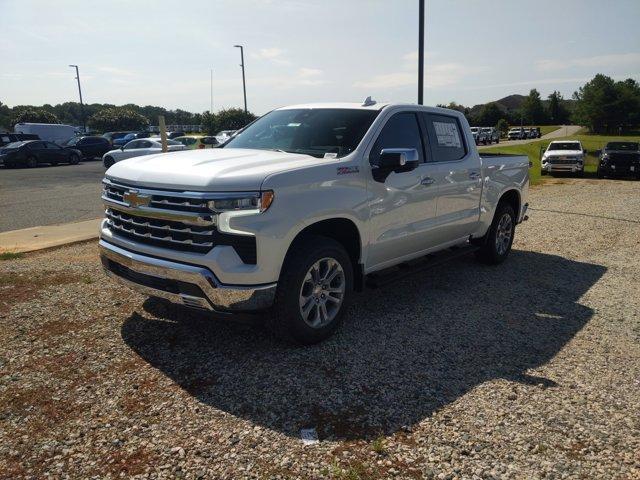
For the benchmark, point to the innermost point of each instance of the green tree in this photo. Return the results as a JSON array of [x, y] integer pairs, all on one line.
[[111, 119], [489, 115], [533, 110], [627, 104], [230, 119], [503, 127], [557, 112], [595, 104], [31, 115], [5, 116]]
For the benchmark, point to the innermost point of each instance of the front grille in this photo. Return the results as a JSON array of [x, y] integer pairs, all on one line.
[[184, 236], [564, 161]]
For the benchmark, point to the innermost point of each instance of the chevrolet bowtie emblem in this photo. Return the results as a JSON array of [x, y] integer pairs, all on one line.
[[135, 199]]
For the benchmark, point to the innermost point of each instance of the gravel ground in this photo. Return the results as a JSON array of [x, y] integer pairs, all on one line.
[[526, 370]]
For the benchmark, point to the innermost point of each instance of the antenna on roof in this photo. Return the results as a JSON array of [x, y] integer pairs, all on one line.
[[368, 102]]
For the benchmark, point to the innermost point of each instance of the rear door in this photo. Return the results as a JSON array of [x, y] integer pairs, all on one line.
[[457, 174], [55, 153], [403, 206]]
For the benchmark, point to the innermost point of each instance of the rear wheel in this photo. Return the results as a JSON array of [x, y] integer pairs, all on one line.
[[313, 291], [32, 162], [496, 244]]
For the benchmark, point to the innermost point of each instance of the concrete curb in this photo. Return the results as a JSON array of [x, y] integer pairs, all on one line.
[[39, 238]]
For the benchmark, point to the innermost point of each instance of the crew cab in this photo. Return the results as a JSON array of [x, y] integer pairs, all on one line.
[[563, 156], [490, 135], [516, 134], [620, 159], [305, 205]]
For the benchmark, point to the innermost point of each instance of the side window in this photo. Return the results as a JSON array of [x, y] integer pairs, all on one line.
[[401, 131], [52, 146], [132, 145], [445, 138], [36, 145]]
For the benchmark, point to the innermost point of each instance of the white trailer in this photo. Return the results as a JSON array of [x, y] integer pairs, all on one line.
[[51, 132]]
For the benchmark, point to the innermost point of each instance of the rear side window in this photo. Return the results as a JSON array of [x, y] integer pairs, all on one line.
[[445, 138], [401, 131]]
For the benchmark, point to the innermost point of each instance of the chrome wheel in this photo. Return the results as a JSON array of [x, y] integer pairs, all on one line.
[[504, 234], [322, 292]]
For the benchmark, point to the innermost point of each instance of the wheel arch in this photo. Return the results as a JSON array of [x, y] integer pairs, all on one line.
[[344, 231]]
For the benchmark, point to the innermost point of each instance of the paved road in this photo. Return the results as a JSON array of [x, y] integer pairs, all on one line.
[[49, 195]]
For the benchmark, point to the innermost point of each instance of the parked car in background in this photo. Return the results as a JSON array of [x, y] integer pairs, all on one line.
[[175, 134], [534, 132], [137, 148], [130, 136], [305, 206], [475, 132], [7, 138], [31, 153], [112, 136], [90, 146], [563, 156], [620, 159], [516, 133], [196, 142], [50, 132], [224, 135], [490, 135]]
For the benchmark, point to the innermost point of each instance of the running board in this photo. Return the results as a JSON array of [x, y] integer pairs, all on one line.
[[405, 269]]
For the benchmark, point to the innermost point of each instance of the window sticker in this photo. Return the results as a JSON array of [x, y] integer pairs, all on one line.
[[447, 134]]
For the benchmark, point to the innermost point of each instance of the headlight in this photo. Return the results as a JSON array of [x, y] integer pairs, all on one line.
[[259, 201], [605, 156]]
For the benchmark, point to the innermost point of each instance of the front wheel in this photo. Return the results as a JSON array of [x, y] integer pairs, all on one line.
[[108, 162], [74, 159], [496, 244], [32, 162], [313, 291]]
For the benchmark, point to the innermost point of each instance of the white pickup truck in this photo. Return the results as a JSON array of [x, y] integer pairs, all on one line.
[[305, 205]]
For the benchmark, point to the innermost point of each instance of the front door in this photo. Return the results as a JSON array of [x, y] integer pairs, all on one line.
[[403, 206]]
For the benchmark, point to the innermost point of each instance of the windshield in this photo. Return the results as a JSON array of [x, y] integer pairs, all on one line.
[[564, 146], [72, 141], [474, 129], [627, 146], [311, 131], [488, 130]]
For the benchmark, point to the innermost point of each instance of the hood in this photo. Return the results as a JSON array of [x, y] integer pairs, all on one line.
[[563, 153], [213, 169]]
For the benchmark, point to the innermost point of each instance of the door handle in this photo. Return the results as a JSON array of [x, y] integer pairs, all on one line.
[[474, 175], [427, 181]]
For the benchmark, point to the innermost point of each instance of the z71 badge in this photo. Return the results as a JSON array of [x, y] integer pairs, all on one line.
[[346, 170]]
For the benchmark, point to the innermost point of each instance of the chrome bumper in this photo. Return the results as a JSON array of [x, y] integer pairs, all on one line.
[[186, 284]]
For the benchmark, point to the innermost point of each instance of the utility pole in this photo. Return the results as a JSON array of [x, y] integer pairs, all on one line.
[[421, 53], [84, 125], [244, 85]]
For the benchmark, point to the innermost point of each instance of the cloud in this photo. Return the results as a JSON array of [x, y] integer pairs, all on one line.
[[308, 77], [274, 55], [599, 61], [309, 72], [435, 75], [120, 72]]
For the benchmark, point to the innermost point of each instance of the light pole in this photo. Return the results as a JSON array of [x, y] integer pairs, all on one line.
[[84, 126], [421, 53], [244, 85]]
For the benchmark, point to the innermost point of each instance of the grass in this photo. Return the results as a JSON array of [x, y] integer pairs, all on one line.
[[590, 143], [11, 255]]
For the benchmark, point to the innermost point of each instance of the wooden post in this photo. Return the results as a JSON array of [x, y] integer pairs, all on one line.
[[163, 132]]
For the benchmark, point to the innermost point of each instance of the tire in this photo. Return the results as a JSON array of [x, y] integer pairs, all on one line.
[[599, 173], [497, 140], [495, 246], [108, 162], [74, 159], [543, 172], [308, 255], [32, 162]]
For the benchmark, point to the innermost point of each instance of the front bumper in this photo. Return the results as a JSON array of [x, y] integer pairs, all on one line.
[[563, 167], [188, 285]]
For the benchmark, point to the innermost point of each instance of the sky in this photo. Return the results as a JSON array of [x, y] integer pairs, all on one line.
[[298, 51]]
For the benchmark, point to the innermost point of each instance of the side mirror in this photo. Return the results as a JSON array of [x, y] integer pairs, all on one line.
[[122, 148], [396, 160], [584, 151]]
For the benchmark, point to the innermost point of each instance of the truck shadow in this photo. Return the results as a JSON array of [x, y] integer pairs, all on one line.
[[404, 351]]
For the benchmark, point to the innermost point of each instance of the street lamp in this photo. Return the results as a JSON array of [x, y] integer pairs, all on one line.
[[244, 85], [420, 52], [84, 126]]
